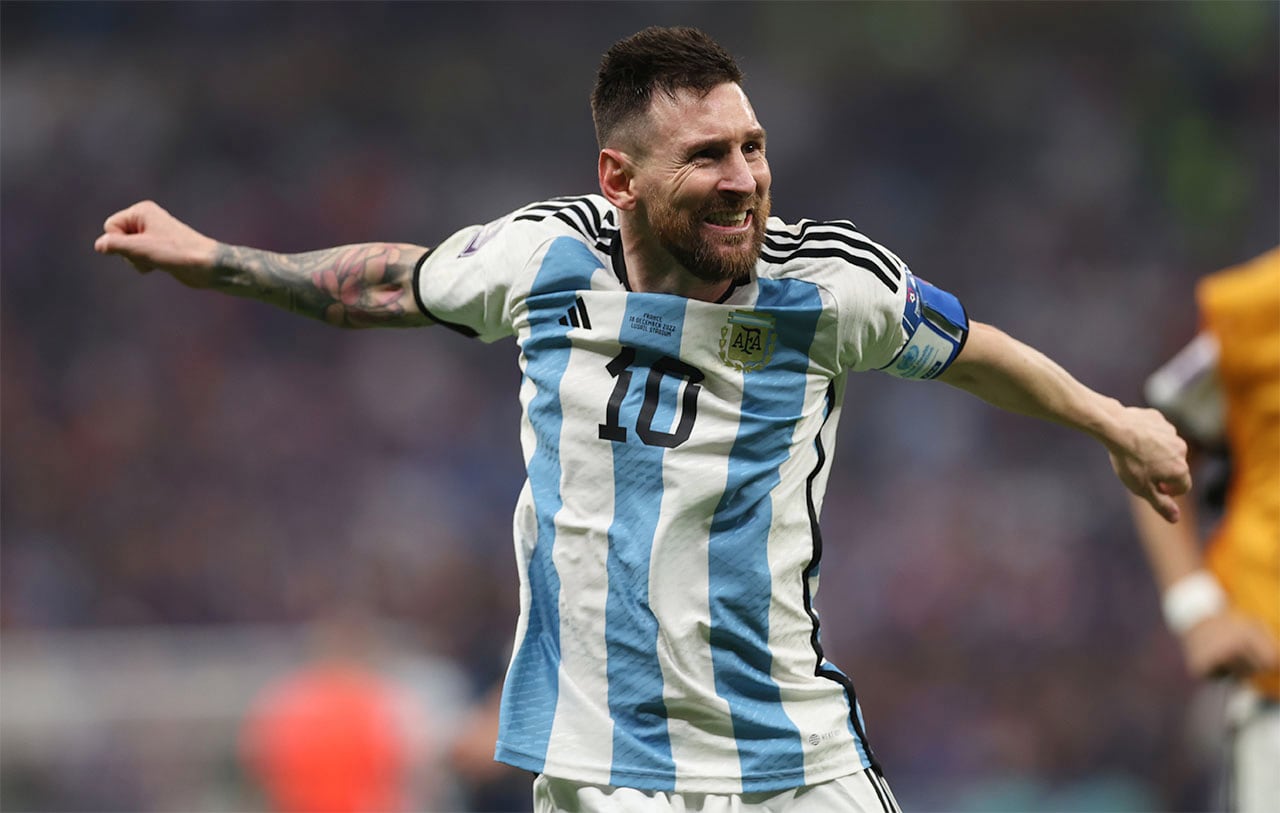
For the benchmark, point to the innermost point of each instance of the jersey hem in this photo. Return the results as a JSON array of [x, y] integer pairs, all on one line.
[[653, 781]]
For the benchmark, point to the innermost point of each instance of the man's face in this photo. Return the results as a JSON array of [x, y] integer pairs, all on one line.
[[703, 181]]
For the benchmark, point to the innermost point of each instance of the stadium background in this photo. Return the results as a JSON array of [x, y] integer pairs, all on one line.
[[189, 481]]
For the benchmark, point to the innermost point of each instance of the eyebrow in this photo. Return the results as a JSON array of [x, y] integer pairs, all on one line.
[[754, 134]]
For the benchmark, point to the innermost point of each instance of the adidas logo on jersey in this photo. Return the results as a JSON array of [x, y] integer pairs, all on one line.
[[577, 316]]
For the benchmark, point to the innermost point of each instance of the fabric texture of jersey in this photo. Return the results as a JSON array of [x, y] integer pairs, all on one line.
[[1241, 309], [677, 452]]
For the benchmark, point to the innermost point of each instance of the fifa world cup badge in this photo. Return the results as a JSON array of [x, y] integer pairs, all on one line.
[[747, 340]]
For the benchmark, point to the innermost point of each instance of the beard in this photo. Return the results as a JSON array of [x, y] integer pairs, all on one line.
[[711, 257]]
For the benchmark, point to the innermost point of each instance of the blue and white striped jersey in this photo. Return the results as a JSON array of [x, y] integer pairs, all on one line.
[[677, 453]]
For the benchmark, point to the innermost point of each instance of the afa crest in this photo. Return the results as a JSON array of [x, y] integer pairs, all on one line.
[[748, 339]]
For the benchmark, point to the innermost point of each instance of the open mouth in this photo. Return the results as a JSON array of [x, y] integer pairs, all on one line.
[[729, 220]]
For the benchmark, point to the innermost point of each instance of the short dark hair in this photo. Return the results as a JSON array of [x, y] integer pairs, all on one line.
[[666, 60]]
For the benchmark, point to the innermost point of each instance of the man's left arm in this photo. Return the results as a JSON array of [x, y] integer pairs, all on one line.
[[1146, 452]]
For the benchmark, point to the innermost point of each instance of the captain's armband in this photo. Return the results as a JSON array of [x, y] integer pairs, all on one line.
[[935, 326]]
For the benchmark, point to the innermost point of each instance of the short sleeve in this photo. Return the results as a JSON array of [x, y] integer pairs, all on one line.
[[466, 282], [870, 309], [892, 320]]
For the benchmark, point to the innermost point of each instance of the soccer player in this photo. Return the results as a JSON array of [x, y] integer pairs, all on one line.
[[684, 356], [1223, 392]]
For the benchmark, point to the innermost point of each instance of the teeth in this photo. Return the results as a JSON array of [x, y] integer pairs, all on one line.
[[727, 218]]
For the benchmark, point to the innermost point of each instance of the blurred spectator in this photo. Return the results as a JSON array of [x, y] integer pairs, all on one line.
[[339, 736]]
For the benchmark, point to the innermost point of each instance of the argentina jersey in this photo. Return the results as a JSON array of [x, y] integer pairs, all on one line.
[[677, 454]]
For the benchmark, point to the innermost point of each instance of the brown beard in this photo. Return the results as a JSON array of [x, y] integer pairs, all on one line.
[[679, 234]]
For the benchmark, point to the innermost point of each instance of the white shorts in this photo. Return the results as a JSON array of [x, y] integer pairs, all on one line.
[[862, 792], [1255, 753]]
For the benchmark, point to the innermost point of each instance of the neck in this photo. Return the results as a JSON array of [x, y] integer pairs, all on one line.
[[650, 268]]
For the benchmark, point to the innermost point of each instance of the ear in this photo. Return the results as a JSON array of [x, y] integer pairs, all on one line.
[[616, 180]]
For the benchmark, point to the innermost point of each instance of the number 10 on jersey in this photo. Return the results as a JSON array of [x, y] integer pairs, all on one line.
[[621, 369]]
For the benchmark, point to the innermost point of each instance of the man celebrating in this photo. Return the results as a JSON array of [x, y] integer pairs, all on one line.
[[684, 358]]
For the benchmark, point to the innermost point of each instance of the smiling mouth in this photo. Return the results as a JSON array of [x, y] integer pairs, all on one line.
[[728, 220]]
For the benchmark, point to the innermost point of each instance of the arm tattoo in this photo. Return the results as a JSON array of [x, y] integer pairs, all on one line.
[[365, 285]]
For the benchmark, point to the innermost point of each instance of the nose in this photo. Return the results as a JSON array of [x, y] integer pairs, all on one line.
[[738, 178]]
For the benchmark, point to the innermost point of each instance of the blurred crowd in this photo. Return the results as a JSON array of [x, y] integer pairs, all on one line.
[[176, 458]]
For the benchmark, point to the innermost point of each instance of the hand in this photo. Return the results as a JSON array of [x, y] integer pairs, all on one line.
[[150, 238], [1228, 644], [1153, 462]]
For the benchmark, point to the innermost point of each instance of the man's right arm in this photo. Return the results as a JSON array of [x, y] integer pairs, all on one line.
[[363, 285]]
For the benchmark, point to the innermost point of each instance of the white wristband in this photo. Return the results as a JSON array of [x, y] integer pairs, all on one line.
[[1192, 599]]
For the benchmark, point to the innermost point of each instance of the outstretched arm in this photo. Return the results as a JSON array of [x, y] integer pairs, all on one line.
[[1146, 452], [364, 285]]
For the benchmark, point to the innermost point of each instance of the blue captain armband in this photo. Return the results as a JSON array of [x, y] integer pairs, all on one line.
[[936, 327]]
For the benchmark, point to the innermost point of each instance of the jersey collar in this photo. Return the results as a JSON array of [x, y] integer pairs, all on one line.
[[619, 262]]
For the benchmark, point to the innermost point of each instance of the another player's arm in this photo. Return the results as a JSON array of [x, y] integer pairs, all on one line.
[[1216, 639], [1146, 452], [364, 285], [1173, 551]]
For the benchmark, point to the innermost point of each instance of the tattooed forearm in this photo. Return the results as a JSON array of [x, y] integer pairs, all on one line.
[[366, 285]]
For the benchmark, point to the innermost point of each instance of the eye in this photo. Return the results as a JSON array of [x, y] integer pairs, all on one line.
[[752, 147]]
